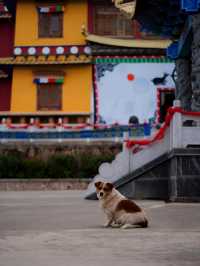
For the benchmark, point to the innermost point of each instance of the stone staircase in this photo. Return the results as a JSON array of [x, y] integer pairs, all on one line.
[[167, 169]]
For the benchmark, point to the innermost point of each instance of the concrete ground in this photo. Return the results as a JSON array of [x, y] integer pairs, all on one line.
[[62, 229]]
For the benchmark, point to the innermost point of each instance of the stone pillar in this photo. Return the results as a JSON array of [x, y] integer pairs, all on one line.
[[195, 77], [183, 83], [176, 129]]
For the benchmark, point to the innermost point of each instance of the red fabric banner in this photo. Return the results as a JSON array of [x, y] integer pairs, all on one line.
[[160, 134]]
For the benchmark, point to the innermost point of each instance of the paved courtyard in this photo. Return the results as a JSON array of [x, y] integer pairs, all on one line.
[[60, 228]]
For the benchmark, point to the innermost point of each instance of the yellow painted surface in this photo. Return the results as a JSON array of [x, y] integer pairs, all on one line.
[[76, 90], [26, 33], [23, 95]]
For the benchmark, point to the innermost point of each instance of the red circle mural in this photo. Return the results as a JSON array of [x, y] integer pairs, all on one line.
[[130, 77]]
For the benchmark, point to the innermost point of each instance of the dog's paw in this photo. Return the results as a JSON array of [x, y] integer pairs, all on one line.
[[116, 225], [127, 226], [106, 225]]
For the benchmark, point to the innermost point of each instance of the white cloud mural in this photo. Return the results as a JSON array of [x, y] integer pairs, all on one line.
[[130, 89]]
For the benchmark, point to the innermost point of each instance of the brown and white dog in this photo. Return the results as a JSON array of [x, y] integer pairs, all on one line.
[[119, 210]]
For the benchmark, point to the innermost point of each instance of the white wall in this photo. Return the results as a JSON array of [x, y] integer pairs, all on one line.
[[120, 98]]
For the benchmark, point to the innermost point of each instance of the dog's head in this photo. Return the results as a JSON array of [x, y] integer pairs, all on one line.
[[103, 189]]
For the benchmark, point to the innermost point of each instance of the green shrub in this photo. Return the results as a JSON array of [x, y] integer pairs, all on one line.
[[89, 164], [33, 168], [61, 166], [81, 165], [10, 166]]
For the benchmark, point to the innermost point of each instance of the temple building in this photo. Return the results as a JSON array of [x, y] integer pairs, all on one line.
[[80, 61]]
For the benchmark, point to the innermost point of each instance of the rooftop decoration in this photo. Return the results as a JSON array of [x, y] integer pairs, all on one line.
[[164, 18], [126, 7]]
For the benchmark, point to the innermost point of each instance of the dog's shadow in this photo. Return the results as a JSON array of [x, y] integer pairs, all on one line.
[[120, 227]]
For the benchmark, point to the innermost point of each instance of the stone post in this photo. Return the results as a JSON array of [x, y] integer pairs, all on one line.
[[176, 129], [125, 137], [183, 83]]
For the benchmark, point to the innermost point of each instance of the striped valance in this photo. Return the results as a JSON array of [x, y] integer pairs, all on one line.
[[47, 80], [51, 9], [132, 60]]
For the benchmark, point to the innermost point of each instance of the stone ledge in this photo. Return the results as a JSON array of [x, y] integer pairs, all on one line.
[[43, 184]]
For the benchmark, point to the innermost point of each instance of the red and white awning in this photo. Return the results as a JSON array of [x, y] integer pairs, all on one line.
[[49, 80], [51, 9]]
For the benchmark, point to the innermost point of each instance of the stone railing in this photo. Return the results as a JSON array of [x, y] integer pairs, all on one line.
[[68, 132], [183, 131]]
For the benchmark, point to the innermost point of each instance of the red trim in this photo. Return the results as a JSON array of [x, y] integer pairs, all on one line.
[[5, 94], [136, 29], [96, 98], [52, 8], [51, 80], [90, 16], [160, 134], [7, 31], [158, 96], [23, 126], [95, 91], [57, 125]]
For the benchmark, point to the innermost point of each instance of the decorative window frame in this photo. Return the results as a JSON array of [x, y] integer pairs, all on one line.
[[42, 77], [47, 11], [46, 91]]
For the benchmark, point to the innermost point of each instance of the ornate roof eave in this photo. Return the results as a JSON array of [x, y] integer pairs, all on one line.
[[46, 60], [160, 44], [107, 50]]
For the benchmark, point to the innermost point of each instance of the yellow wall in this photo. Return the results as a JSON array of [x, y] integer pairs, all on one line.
[[76, 89], [26, 33]]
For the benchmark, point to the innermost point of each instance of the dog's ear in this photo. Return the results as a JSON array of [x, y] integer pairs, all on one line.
[[109, 186], [98, 184]]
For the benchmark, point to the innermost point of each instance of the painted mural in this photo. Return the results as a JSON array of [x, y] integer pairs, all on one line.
[[130, 89]]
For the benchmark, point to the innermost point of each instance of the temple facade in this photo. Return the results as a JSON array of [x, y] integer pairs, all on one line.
[[75, 61]]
